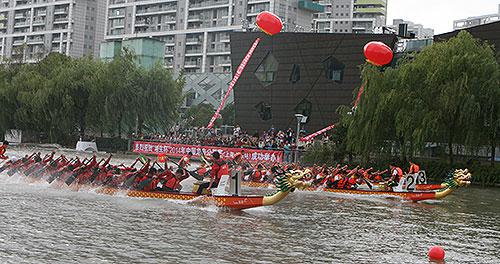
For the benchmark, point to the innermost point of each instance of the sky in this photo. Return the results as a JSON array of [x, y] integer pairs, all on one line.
[[438, 14]]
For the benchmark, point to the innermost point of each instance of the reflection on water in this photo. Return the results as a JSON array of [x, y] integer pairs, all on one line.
[[40, 224]]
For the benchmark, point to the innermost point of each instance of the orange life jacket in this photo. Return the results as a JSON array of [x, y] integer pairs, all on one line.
[[414, 168], [172, 183], [3, 149]]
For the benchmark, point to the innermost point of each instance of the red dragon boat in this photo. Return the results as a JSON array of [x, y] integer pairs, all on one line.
[[219, 197], [459, 178]]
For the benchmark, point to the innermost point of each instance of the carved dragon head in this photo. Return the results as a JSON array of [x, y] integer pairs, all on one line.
[[459, 178], [291, 180]]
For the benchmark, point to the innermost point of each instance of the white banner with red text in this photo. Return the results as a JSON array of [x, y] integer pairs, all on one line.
[[179, 150]]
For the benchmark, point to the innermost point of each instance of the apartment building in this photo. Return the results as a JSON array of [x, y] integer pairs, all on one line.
[[351, 16], [30, 29], [196, 32]]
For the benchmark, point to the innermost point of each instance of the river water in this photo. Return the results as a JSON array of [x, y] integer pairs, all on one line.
[[42, 224]]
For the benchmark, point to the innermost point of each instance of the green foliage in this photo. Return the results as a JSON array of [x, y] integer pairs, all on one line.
[[199, 115], [228, 115], [64, 97], [448, 93]]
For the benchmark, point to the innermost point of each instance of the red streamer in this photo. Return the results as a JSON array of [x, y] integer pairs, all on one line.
[[317, 133], [237, 75]]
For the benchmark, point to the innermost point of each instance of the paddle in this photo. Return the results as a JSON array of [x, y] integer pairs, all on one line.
[[16, 163], [127, 183], [367, 182], [58, 173], [191, 173], [98, 170], [28, 161], [75, 174], [52, 163]]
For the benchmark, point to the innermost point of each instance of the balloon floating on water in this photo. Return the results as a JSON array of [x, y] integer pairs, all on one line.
[[377, 53], [436, 253], [269, 23]]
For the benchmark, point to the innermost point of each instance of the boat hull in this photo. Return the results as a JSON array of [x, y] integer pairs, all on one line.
[[230, 202], [412, 196]]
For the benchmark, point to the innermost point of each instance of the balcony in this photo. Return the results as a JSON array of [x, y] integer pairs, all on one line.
[[156, 10], [194, 52], [60, 11], [370, 10], [18, 42], [219, 50], [192, 64], [36, 40], [195, 18], [194, 41], [22, 24], [41, 13], [61, 20], [38, 22], [21, 15], [208, 4], [117, 2]]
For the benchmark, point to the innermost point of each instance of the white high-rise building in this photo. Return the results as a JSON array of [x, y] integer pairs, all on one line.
[[351, 16], [196, 32], [476, 21], [30, 29]]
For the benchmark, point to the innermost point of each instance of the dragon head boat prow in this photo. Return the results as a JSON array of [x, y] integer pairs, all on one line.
[[286, 183], [456, 179]]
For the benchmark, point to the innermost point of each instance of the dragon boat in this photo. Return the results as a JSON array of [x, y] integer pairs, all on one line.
[[219, 197], [456, 179], [285, 184]]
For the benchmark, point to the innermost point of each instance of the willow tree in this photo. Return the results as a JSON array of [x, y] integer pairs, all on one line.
[[73, 86], [459, 75], [446, 93], [372, 124], [120, 91], [157, 99]]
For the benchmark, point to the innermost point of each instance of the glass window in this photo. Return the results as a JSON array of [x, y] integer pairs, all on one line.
[[334, 69], [295, 75], [267, 70]]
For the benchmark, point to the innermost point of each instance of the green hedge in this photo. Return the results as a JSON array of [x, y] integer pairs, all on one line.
[[112, 144]]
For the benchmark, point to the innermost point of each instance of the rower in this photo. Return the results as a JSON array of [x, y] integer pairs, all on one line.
[[396, 174], [219, 168], [184, 162], [3, 149], [173, 184], [414, 168]]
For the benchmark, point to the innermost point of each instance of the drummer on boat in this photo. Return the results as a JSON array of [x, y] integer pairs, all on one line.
[[219, 168]]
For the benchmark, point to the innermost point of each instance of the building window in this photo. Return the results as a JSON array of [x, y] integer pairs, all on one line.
[[267, 70], [295, 75], [264, 111], [304, 108], [334, 69]]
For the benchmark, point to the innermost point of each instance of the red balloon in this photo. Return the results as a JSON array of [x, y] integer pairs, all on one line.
[[269, 23], [436, 253], [377, 53]]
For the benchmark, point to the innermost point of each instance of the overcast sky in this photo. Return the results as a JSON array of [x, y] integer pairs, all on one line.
[[439, 14]]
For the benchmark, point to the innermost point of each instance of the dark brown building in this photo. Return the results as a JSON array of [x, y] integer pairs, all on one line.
[[297, 72], [489, 32]]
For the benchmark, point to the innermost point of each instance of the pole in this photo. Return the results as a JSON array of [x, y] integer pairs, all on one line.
[[297, 141]]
